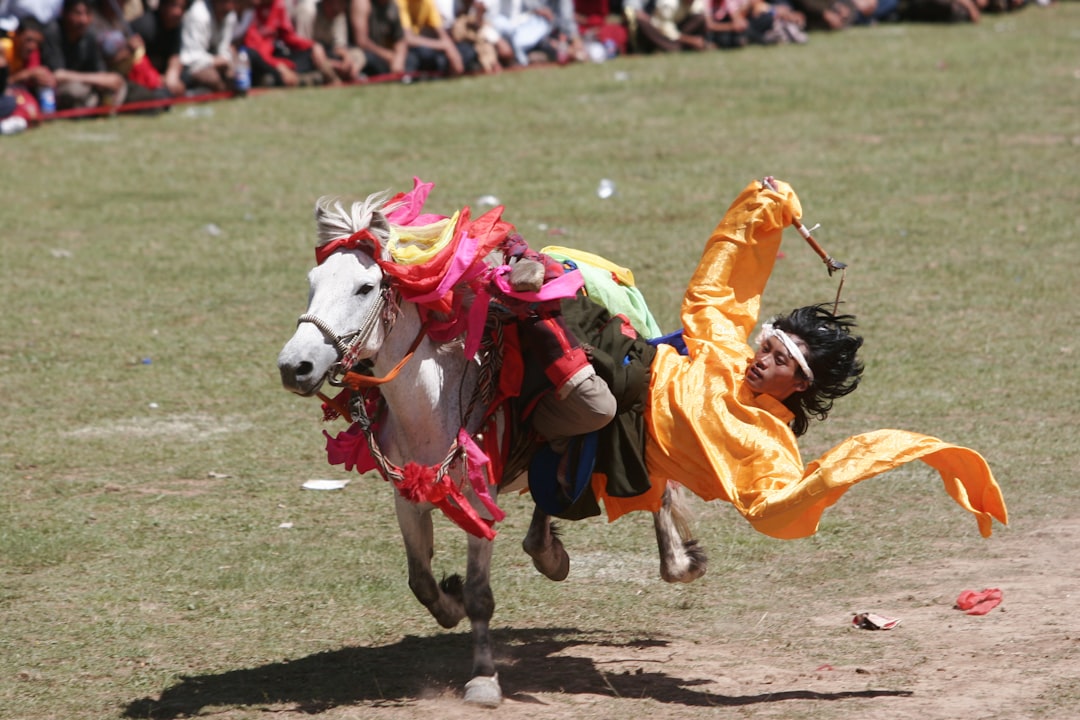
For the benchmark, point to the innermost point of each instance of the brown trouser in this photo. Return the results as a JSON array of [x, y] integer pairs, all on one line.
[[588, 406]]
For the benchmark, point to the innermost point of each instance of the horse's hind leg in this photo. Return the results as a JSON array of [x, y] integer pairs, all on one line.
[[483, 688], [543, 545], [443, 600], [681, 560]]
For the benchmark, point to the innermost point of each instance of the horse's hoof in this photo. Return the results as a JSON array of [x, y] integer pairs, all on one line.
[[484, 690], [559, 573]]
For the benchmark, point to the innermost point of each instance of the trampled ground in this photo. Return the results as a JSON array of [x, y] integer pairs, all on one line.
[[1022, 660]]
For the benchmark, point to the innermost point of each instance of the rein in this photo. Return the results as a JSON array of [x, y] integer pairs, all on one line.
[[359, 381]]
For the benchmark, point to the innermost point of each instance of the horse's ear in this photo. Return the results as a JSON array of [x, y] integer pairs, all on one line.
[[331, 220], [379, 226]]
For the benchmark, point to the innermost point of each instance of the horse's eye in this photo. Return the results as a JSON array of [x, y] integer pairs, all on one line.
[[364, 289]]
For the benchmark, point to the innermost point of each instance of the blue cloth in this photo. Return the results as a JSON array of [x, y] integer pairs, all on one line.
[[674, 339]]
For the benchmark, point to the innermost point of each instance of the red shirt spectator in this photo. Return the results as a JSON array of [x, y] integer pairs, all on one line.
[[270, 25]]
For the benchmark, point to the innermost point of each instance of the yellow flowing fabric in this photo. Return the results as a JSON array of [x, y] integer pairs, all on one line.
[[415, 245], [708, 431]]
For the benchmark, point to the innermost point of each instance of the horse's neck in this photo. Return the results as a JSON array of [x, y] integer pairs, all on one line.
[[424, 400]]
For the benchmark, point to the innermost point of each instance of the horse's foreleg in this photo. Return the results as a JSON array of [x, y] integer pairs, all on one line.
[[443, 600], [543, 545], [681, 558], [484, 688]]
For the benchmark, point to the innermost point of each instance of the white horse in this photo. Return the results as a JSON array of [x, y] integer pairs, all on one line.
[[353, 310]]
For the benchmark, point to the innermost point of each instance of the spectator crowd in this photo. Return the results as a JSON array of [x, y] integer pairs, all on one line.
[[92, 56]]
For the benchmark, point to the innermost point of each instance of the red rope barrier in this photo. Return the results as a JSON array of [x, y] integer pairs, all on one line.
[[160, 103], [156, 104]]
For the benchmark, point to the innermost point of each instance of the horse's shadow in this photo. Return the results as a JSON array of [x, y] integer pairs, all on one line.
[[531, 661]]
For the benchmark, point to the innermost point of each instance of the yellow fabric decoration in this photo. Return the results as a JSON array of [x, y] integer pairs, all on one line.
[[708, 432], [623, 275], [417, 245]]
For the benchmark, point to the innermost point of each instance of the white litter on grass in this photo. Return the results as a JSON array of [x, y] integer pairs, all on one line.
[[285, 526], [325, 484]]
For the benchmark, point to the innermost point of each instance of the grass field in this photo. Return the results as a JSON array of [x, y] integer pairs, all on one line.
[[153, 267]]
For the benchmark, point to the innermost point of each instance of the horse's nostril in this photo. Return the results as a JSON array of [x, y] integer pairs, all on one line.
[[304, 369]]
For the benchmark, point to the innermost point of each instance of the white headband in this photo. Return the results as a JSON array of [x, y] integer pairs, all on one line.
[[768, 331]]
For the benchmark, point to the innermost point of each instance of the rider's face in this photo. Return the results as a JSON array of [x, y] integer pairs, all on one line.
[[774, 372]]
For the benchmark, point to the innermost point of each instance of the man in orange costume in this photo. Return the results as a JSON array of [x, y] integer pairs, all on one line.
[[722, 419]]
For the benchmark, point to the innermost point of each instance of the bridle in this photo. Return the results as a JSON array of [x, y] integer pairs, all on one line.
[[349, 345]]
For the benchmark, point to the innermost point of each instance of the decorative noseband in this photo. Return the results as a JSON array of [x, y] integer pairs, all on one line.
[[349, 345]]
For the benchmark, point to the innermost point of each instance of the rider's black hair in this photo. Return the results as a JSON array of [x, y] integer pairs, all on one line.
[[831, 357]]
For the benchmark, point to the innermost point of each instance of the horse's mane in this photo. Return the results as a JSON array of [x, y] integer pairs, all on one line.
[[333, 221]]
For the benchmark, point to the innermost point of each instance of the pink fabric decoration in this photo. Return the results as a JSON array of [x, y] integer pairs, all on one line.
[[565, 286], [476, 460], [412, 203]]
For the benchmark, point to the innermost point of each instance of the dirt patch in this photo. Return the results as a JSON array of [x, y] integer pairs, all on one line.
[[1022, 660]]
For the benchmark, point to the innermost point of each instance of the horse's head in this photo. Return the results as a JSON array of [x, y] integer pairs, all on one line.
[[350, 302]]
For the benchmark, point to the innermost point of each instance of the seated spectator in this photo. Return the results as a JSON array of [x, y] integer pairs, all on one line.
[[22, 54], [726, 23], [668, 26], [471, 26], [378, 32], [565, 34], [330, 29], [942, 10], [125, 53], [526, 26], [72, 53], [880, 11], [431, 48], [160, 33], [838, 14], [279, 55], [127, 56], [736, 23], [206, 33], [599, 21], [18, 109]]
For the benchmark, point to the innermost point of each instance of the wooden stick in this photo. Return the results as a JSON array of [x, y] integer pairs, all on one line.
[[830, 263]]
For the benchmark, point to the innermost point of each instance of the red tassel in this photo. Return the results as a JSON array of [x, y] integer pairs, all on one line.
[[415, 484]]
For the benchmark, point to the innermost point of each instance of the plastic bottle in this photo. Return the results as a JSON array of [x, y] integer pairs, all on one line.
[[47, 100], [243, 73]]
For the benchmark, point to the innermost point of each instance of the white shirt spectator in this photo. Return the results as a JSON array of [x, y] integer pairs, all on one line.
[[202, 38], [44, 10]]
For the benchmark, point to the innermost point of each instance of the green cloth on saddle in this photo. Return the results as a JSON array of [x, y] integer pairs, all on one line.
[[621, 358], [612, 286]]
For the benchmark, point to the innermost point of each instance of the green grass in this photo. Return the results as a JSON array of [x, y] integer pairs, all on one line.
[[941, 162]]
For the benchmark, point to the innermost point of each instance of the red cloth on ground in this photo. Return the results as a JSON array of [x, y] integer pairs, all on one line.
[[979, 603]]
